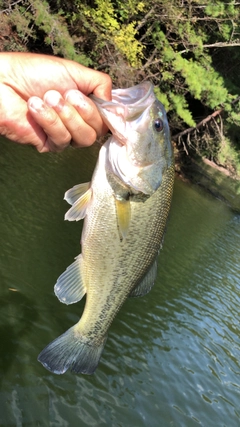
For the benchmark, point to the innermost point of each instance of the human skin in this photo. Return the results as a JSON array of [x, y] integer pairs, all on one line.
[[44, 101]]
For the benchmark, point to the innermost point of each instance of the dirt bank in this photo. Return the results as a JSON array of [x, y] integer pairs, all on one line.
[[213, 178]]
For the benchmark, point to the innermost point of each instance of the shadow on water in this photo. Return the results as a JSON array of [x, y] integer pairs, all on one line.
[[17, 314]]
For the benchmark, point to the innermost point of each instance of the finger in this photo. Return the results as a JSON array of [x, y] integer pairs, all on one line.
[[91, 81], [104, 89], [58, 137], [87, 110], [15, 121], [82, 134]]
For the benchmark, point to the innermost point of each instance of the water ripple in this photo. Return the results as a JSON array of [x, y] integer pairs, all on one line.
[[171, 358]]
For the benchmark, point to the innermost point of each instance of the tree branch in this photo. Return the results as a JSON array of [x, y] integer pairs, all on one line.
[[222, 44], [144, 20], [218, 44], [203, 122], [10, 7]]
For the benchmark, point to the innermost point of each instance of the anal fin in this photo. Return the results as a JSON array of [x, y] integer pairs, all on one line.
[[69, 287], [146, 283]]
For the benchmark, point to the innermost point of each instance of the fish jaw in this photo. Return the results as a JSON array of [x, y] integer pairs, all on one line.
[[125, 107], [127, 103], [140, 152]]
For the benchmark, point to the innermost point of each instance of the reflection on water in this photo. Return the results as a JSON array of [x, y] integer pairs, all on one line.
[[172, 357]]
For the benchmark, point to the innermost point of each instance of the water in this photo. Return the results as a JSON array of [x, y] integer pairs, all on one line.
[[172, 357]]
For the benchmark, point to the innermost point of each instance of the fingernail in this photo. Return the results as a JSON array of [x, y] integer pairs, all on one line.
[[36, 104], [76, 98], [53, 99]]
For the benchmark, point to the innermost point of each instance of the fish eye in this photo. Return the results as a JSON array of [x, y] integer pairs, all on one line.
[[158, 124]]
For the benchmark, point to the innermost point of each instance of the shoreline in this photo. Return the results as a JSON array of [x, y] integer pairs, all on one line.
[[214, 179]]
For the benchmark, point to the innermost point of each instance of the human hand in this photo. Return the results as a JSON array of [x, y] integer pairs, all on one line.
[[44, 102]]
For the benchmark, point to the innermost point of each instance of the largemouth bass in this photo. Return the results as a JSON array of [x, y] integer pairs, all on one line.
[[125, 209]]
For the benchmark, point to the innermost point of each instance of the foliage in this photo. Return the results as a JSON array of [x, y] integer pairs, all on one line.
[[229, 156], [33, 20], [112, 26], [189, 50]]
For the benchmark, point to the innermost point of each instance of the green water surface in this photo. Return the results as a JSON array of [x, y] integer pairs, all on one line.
[[171, 358]]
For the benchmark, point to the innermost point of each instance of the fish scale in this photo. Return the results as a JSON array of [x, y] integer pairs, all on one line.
[[125, 209]]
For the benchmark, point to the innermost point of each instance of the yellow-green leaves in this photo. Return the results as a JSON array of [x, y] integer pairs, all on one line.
[[128, 45], [110, 27], [162, 97]]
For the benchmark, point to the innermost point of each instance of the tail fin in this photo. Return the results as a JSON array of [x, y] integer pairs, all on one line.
[[70, 351]]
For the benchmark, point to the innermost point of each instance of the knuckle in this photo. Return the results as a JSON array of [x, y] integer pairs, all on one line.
[[57, 146], [108, 80], [84, 139], [92, 136], [66, 140], [88, 112]]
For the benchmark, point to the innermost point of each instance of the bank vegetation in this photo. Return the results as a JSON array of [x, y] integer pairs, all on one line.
[[190, 50]]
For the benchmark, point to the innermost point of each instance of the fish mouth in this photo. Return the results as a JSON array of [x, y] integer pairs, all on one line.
[[127, 103], [133, 96]]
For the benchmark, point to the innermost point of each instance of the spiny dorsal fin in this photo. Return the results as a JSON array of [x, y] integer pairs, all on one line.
[[79, 208], [70, 287], [72, 195], [123, 209], [146, 283]]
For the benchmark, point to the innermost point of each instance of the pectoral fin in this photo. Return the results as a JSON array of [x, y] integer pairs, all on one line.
[[146, 283], [72, 195], [123, 209], [79, 208], [70, 287]]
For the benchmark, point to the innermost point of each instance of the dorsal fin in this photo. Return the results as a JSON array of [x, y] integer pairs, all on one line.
[[146, 283]]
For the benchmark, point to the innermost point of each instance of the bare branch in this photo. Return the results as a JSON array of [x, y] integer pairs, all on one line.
[[150, 60], [202, 123], [144, 20], [10, 7], [222, 44], [218, 44]]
